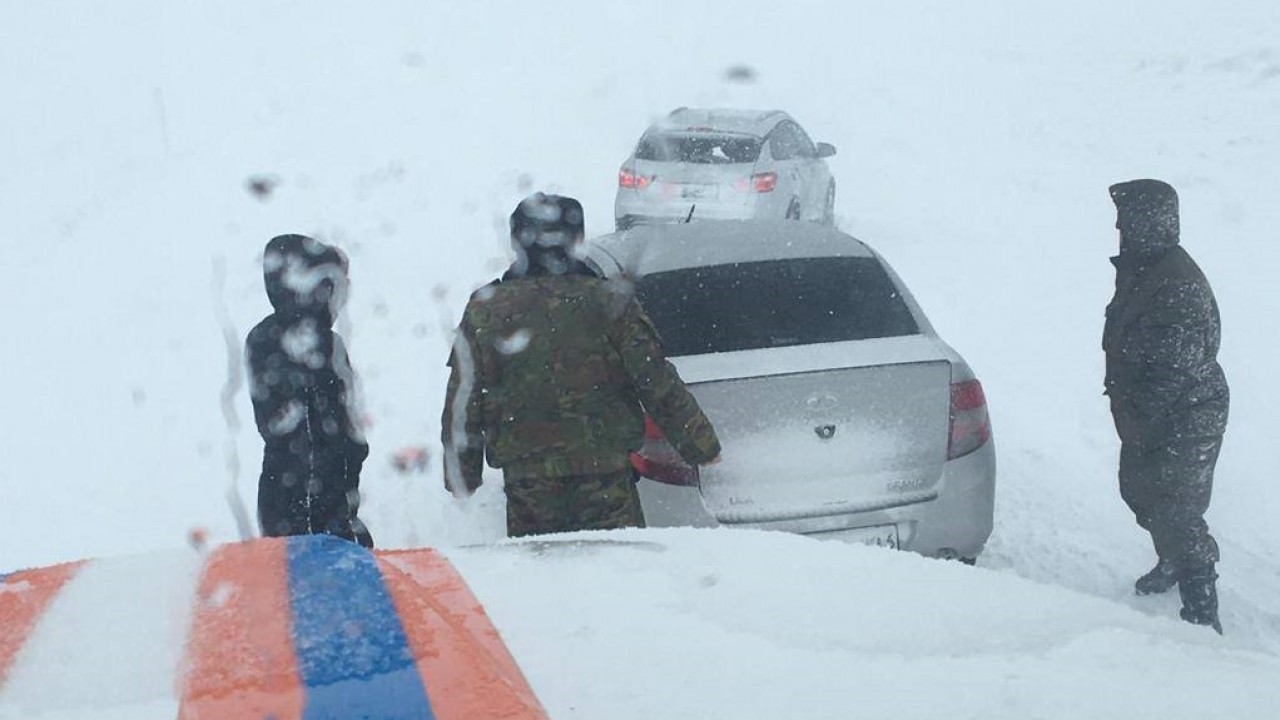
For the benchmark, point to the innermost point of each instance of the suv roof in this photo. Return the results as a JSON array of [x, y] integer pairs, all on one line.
[[659, 248], [752, 122]]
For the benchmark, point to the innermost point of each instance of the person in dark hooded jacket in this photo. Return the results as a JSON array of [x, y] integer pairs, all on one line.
[[301, 386], [1168, 394]]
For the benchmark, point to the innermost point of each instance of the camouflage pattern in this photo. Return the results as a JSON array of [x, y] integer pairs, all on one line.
[[1169, 396], [551, 377], [562, 503]]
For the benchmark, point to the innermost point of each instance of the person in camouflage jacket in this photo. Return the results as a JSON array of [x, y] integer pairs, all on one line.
[[1168, 394], [552, 372]]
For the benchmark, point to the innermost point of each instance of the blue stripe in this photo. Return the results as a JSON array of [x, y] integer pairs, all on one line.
[[352, 651], [3, 577]]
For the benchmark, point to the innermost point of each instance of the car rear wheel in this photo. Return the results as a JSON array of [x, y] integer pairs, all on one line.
[[829, 205], [793, 210]]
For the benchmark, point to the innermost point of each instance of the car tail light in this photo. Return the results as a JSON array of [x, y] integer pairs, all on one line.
[[760, 182], [970, 425], [628, 179], [657, 460]]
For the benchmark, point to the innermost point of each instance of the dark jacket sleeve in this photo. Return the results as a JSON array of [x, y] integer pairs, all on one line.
[[461, 422], [270, 375], [335, 397], [659, 386]]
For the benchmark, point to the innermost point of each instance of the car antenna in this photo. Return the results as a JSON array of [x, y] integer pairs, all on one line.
[[689, 217]]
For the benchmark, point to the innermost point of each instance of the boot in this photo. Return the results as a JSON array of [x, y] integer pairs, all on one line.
[[1160, 579], [1199, 593]]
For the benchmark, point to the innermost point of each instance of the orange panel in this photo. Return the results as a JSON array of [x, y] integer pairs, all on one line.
[[24, 595], [240, 653], [466, 667]]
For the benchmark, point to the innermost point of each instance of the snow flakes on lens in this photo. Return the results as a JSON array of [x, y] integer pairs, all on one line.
[[514, 343], [301, 342], [304, 280], [287, 420]]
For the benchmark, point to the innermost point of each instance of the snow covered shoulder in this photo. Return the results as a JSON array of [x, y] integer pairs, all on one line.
[[624, 624]]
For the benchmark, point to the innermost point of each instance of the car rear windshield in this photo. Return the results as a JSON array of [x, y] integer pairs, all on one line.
[[701, 148], [774, 304]]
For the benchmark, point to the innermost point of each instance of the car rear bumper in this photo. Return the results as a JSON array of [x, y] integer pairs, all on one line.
[[959, 521], [637, 208], [952, 520]]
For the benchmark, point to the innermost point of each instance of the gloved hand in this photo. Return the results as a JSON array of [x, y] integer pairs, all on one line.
[[465, 477]]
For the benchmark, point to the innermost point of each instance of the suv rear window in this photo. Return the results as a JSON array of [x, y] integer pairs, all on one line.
[[773, 304], [701, 148]]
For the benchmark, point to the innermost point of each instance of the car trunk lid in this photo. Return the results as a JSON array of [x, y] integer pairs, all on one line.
[[810, 445]]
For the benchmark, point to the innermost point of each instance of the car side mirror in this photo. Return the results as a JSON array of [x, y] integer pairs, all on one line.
[[826, 150]]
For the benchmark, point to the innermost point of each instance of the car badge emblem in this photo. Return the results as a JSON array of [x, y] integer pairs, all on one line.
[[826, 432], [821, 401]]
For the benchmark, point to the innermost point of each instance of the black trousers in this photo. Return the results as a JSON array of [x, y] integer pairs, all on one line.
[[290, 506], [1168, 488]]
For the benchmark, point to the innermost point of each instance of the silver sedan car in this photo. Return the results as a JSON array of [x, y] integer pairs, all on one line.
[[841, 412], [725, 165]]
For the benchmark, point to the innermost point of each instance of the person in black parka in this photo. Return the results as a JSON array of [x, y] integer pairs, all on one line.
[[301, 386], [1168, 394]]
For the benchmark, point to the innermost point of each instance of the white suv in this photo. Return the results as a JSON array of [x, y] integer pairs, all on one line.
[[725, 165]]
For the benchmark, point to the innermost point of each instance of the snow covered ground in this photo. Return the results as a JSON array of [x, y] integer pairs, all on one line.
[[740, 624], [697, 624], [976, 142]]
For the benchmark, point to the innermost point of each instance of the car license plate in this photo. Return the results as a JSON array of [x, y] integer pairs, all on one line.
[[877, 535], [699, 191]]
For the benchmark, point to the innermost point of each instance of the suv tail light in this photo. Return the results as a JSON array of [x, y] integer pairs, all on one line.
[[764, 182], [760, 183], [628, 179], [657, 460], [970, 425]]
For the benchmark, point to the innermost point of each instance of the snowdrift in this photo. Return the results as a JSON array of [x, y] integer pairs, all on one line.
[[677, 623]]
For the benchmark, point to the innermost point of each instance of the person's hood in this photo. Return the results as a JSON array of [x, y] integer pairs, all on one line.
[[304, 276], [1146, 216]]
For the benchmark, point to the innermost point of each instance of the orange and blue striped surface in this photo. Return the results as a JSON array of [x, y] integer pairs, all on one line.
[[313, 628]]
